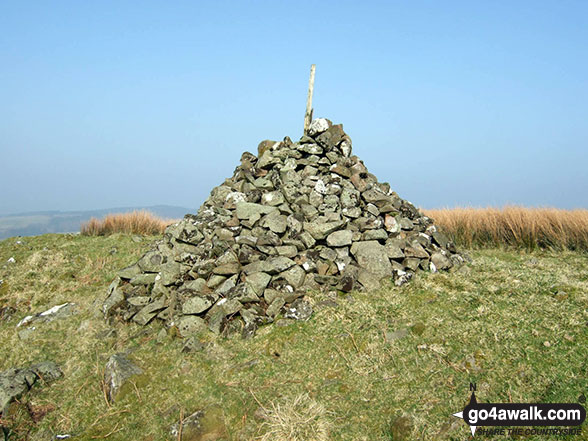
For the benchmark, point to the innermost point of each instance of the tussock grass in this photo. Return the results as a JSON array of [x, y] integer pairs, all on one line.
[[529, 228], [137, 222], [298, 419]]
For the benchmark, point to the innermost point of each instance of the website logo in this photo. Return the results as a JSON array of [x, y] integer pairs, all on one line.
[[522, 414]]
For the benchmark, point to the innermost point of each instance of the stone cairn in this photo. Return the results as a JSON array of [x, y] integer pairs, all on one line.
[[298, 217]]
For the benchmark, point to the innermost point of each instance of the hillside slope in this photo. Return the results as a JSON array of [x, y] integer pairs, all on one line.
[[393, 364]]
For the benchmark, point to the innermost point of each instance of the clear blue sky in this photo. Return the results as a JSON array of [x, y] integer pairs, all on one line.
[[118, 103]]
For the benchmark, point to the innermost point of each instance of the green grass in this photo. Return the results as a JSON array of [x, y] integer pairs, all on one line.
[[502, 322]]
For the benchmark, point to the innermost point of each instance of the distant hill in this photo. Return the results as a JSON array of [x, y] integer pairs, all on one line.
[[42, 222]]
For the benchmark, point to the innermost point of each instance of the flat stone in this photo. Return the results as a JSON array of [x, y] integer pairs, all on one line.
[[377, 234], [227, 269], [307, 239], [374, 196], [294, 276], [148, 312], [441, 239], [198, 285], [258, 281], [394, 251], [276, 222], [129, 272], [143, 279], [287, 250], [275, 307], [191, 324], [247, 210], [15, 382], [440, 261], [197, 305], [372, 256], [272, 265], [341, 170], [272, 198], [416, 250], [339, 238], [320, 230]]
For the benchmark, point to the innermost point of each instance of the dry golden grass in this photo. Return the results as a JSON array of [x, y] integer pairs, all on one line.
[[136, 222], [300, 419], [515, 226]]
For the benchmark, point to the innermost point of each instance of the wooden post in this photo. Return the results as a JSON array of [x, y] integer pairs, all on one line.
[[308, 114]]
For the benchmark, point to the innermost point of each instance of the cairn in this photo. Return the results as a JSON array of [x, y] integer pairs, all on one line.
[[296, 218]]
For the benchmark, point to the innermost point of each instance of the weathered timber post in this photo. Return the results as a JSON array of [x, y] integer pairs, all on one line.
[[308, 114]]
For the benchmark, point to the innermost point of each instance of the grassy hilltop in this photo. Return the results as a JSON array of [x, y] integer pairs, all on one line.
[[393, 364]]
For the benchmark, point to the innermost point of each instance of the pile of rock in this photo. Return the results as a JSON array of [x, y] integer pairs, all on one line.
[[298, 217], [15, 382]]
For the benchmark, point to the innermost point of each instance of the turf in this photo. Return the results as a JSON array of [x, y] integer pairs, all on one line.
[[392, 364]]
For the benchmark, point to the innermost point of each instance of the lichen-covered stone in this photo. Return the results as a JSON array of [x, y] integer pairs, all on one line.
[[117, 373]]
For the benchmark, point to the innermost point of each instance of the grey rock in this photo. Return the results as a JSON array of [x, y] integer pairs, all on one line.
[[294, 276], [373, 257], [258, 281], [148, 312], [287, 250], [405, 223], [318, 126], [391, 224], [416, 250], [151, 262], [15, 382], [331, 137], [339, 238], [440, 261], [299, 310], [129, 272], [273, 198], [191, 324], [54, 313], [227, 269], [440, 239], [119, 370], [377, 234], [197, 285], [276, 222], [275, 307], [272, 265], [143, 279], [247, 210], [197, 305], [320, 230], [394, 251]]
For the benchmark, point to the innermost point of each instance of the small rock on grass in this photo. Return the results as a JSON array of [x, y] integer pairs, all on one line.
[[15, 382], [119, 370]]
